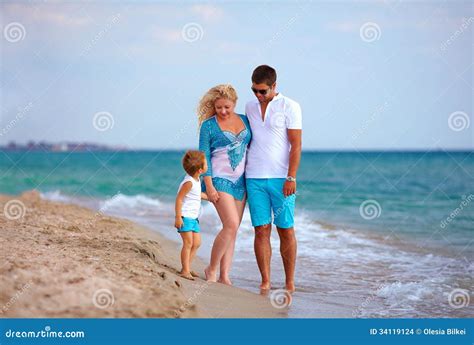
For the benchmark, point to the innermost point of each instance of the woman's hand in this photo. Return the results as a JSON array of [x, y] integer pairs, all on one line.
[[212, 194]]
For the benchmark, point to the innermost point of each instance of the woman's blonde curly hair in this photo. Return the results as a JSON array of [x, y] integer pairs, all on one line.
[[206, 107]]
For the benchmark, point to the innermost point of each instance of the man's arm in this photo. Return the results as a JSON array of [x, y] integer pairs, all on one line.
[[294, 137]]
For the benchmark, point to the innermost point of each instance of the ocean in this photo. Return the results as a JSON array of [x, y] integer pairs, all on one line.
[[380, 234]]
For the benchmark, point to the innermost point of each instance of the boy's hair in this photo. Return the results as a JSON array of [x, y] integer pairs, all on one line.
[[264, 74], [193, 160]]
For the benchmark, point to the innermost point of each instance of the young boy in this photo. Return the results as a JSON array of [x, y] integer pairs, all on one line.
[[187, 207]]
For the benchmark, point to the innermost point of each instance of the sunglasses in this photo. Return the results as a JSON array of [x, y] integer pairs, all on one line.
[[262, 92]]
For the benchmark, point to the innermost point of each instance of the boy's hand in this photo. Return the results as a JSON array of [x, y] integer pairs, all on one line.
[[212, 194], [178, 222]]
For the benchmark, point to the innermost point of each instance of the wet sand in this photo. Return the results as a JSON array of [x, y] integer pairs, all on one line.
[[61, 260]]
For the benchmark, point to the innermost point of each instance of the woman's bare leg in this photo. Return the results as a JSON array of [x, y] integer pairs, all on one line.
[[229, 216], [226, 261]]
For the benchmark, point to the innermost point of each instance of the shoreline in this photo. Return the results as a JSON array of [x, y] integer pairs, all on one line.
[[142, 259], [383, 236], [64, 260]]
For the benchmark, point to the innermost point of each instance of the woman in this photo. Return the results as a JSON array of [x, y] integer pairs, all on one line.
[[224, 137]]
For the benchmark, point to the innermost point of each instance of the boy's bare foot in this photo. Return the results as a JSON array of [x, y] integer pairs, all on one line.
[[210, 276], [194, 274], [225, 281], [265, 286], [290, 287], [187, 276]]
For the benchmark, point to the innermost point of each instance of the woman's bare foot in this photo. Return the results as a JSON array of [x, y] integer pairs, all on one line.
[[194, 274], [210, 276], [186, 275], [265, 286], [225, 280]]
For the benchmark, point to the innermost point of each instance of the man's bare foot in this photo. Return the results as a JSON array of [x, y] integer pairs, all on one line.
[[225, 281], [186, 275], [210, 276], [290, 287], [194, 274], [265, 286]]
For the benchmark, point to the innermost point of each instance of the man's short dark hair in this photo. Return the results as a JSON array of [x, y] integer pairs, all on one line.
[[264, 74]]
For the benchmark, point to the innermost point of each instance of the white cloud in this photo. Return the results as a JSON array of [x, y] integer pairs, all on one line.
[[64, 15], [208, 12]]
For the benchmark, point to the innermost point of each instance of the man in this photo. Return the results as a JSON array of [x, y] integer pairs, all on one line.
[[272, 163]]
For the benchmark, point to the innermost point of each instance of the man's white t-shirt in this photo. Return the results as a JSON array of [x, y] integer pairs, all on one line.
[[192, 201], [268, 155]]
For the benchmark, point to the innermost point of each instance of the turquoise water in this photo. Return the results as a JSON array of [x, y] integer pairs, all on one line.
[[415, 191], [392, 226]]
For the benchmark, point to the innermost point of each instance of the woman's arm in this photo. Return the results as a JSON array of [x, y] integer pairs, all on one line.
[[205, 146]]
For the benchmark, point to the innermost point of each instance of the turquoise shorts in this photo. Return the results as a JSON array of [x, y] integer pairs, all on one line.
[[190, 224], [266, 195]]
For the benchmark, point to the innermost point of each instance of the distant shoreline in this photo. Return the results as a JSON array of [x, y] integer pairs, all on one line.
[[105, 149]]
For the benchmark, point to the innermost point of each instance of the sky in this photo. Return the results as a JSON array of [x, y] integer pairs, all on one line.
[[367, 74]]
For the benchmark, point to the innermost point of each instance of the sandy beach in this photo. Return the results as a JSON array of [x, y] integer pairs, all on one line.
[[60, 260]]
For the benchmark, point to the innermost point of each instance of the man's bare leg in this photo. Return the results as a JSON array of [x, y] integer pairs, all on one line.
[[288, 254], [263, 252]]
